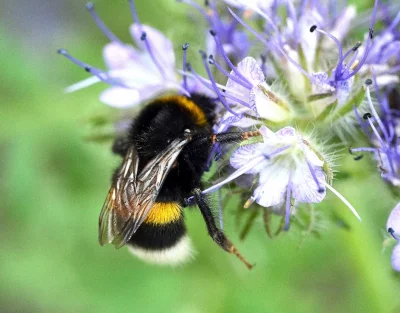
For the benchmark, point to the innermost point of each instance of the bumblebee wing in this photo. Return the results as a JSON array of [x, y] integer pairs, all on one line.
[[142, 192], [117, 209]]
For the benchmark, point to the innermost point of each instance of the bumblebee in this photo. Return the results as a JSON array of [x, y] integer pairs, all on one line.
[[165, 154]]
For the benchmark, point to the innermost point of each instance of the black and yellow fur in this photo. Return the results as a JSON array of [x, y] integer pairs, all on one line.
[[157, 125]]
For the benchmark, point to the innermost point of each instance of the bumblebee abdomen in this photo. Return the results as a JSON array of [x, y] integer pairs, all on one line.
[[162, 237]]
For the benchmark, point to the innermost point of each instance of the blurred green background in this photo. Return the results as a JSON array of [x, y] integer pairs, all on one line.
[[53, 184]]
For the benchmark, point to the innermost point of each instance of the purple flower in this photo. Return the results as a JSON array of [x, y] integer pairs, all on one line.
[[393, 227], [246, 85], [382, 132], [288, 168], [135, 74]]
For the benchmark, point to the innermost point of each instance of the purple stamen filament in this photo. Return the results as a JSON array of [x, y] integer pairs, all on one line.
[[234, 78], [134, 15], [103, 76], [184, 67], [312, 170], [214, 85], [150, 52], [369, 42], [245, 168], [210, 85], [331, 37], [267, 44], [338, 71], [100, 24], [392, 232], [245, 82]]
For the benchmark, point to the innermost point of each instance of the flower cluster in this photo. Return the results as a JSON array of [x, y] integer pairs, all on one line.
[[282, 67]]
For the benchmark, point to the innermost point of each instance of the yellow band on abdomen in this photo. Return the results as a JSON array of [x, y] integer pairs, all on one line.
[[164, 213]]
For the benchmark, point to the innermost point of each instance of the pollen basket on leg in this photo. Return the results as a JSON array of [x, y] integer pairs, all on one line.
[[164, 213], [186, 104]]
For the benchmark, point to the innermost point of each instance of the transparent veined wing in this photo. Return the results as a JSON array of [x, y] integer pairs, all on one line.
[[131, 198]]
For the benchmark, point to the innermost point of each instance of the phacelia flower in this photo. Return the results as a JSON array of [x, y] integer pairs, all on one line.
[[383, 133], [288, 168], [393, 227], [135, 74]]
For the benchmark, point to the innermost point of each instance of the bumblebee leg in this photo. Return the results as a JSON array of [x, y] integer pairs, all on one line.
[[225, 138], [216, 234], [120, 146], [232, 137]]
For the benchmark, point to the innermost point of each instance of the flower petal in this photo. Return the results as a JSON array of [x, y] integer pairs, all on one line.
[[161, 46], [250, 69], [266, 107], [244, 154], [394, 220], [396, 258], [273, 184], [119, 97], [304, 187], [119, 56]]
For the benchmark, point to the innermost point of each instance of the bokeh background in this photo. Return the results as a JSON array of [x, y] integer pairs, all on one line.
[[53, 183]]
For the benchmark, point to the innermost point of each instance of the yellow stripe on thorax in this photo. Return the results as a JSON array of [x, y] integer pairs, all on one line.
[[189, 106], [164, 213]]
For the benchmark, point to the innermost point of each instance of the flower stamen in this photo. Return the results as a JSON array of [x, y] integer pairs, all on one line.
[[245, 81], [101, 75], [343, 199], [100, 24]]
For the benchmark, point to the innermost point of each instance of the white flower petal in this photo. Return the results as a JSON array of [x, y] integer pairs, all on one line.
[[268, 109], [396, 258], [245, 154], [249, 69], [267, 133], [394, 220], [161, 46], [119, 97], [119, 56], [304, 187], [273, 184]]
